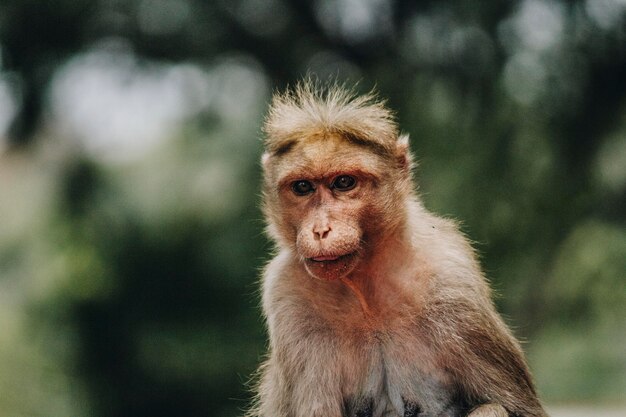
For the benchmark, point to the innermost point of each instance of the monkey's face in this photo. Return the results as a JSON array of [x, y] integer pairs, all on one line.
[[326, 221], [327, 198]]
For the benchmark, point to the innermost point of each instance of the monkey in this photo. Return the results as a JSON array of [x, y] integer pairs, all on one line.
[[374, 306]]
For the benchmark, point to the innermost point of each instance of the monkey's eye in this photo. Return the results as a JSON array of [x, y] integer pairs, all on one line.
[[343, 183], [302, 187]]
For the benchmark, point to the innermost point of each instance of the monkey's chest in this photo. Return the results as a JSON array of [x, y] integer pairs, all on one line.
[[398, 381]]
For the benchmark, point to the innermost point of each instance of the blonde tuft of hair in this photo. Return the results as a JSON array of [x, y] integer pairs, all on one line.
[[312, 108]]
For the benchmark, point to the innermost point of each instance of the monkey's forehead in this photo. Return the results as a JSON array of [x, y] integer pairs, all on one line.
[[317, 158]]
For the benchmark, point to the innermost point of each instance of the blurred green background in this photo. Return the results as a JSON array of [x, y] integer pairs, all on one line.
[[130, 234]]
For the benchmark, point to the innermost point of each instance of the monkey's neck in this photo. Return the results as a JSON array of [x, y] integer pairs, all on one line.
[[359, 295], [387, 256]]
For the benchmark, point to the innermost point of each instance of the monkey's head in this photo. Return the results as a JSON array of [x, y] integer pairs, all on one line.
[[336, 176]]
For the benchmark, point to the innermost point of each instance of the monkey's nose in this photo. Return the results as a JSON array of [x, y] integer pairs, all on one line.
[[321, 232]]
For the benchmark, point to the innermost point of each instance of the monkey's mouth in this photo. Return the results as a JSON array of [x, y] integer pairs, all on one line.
[[329, 258], [330, 267]]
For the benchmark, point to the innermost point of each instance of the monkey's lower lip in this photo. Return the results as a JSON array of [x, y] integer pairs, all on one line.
[[329, 258], [330, 267]]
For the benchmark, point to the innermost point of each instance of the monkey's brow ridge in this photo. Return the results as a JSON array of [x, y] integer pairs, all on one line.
[[285, 147]]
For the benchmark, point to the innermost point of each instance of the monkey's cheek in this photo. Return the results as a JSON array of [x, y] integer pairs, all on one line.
[[330, 270]]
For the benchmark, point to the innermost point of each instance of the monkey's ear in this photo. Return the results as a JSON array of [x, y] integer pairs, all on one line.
[[403, 153]]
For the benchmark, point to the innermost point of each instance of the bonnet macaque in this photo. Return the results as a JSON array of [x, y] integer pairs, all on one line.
[[374, 306]]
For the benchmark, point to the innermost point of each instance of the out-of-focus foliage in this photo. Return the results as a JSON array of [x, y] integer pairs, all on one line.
[[131, 239]]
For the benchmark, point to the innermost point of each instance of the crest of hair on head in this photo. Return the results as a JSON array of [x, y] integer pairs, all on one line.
[[310, 109]]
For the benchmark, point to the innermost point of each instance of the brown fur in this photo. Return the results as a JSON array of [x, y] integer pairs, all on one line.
[[402, 322]]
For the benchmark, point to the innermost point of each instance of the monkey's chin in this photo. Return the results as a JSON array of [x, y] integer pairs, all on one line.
[[330, 268]]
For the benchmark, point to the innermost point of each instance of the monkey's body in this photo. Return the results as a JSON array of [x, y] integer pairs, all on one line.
[[365, 374], [374, 306], [388, 355]]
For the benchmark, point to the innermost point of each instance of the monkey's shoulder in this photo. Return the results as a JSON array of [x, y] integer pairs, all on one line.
[[283, 276], [286, 284]]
